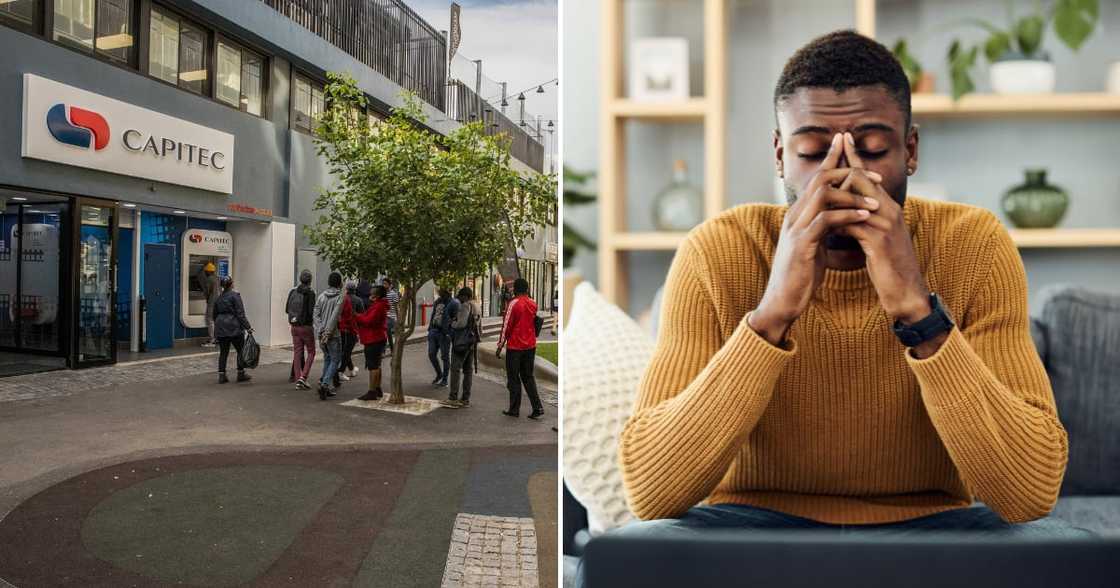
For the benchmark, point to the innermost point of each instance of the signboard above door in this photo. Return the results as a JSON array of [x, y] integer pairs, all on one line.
[[68, 125]]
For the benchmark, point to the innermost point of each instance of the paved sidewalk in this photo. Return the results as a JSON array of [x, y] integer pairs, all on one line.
[[230, 456]]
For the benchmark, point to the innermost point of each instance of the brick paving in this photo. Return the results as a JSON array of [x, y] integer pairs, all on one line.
[[491, 551], [67, 382]]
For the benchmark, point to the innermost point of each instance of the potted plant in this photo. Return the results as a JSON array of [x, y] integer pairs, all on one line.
[[574, 240], [1019, 64], [921, 81]]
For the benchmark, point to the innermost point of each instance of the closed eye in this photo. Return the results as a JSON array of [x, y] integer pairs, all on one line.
[[822, 154]]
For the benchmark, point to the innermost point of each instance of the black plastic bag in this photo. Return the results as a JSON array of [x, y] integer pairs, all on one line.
[[252, 352]]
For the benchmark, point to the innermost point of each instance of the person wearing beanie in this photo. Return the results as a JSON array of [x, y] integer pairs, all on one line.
[[300, 307]]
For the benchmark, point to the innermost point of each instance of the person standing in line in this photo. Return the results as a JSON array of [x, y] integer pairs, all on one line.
[[393, 297], [519, 333], [466, 332], [328, 307], [372, 333], [208, 281], [352, 306], [300, 310], [230, 326], [439, 335], [364, 291]]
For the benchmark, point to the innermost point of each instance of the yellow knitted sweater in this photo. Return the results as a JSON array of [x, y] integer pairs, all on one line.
[[843, 425]]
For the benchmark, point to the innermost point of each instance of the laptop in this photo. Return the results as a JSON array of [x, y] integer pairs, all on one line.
[[810, 558]]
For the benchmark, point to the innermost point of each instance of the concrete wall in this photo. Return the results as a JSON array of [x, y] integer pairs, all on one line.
[[263, 260], [975, 159]]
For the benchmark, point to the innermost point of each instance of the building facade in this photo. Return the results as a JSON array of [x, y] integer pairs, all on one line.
[[146, 139]]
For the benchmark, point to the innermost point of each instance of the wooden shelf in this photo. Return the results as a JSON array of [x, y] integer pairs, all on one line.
[[688, 110], [649, 241], [1085, 103], [1065, 238]]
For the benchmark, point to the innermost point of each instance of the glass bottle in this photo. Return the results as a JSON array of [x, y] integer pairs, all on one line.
[[678, 207]]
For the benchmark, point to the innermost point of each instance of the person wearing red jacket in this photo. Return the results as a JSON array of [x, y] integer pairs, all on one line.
[[519, 334], [372, 333]]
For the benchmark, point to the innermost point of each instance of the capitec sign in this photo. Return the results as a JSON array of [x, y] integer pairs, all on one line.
[[64, 124]]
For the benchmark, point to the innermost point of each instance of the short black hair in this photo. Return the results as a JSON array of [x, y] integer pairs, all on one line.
[[377, 291], [521, 286], [841, 60], [465, 292], [334, 280]]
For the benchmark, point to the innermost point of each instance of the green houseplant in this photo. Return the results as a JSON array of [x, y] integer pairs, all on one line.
[[921, 81], [574, 195], [1019, 63]]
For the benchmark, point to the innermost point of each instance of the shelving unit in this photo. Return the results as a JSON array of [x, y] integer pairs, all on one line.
[[710, 110]]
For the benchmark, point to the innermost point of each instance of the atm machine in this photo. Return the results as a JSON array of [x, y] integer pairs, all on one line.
[[201, 247]]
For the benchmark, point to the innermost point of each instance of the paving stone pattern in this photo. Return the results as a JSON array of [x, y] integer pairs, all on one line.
[[491, 551], [67, 382]]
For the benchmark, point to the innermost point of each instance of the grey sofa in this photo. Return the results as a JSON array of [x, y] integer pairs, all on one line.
[[1078, 339]]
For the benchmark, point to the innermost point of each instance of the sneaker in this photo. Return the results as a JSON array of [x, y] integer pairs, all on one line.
[[331, 392], [442, 383], [354, 373], [436, 381], [243, 377], [302, 384], [464, 403], [369, 395], [209, 344], [537, 414], [322, 392], [511, 414], [344, 376], [222, 379]]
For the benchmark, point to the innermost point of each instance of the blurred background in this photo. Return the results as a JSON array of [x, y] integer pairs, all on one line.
[[662, 138]]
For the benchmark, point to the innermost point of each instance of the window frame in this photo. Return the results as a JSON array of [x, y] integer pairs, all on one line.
[[45, 14], [36, 26], [225, 39], [314, 82]]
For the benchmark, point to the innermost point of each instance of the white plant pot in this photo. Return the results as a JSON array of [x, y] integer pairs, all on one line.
[[1022, 76]]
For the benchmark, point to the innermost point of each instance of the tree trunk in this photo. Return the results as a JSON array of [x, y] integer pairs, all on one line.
[[406, 324]]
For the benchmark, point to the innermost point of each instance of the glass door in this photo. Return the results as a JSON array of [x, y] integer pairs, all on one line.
[[96, 283]]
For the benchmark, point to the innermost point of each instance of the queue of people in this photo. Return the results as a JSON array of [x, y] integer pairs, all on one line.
[[335, 320]]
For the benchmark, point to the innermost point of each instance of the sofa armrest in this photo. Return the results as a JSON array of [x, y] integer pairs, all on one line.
[[575, 525]]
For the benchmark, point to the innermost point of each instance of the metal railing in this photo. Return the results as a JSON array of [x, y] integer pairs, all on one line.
[[386, 35], [464, 105]]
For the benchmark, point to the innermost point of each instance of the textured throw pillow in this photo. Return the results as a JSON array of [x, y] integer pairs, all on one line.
[[1082, 354], [605, 355]]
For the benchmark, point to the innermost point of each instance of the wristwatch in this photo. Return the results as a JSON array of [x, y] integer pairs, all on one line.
[[931, 326]]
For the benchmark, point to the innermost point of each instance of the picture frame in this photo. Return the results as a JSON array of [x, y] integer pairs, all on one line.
[[659, 69]]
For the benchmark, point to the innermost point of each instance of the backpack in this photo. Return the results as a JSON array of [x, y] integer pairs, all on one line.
[[294, 308], [463, 339], [437, 315], [538, 324]]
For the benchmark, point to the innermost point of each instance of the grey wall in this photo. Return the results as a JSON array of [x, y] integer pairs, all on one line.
[[975, 159]]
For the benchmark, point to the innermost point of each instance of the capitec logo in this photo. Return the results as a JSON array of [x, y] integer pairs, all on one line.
[[80, 129], [195, 238]]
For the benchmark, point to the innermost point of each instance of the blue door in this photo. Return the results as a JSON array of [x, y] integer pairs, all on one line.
[[159, 292]]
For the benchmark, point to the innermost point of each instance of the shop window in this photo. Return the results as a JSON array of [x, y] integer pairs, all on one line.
[[20, 14], [307, 103], [240, 77], [104, 26]]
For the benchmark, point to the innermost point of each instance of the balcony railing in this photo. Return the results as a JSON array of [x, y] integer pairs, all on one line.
[[464, 105], [386, 35]]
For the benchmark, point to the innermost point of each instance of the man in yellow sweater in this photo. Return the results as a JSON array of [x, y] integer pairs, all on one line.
[[857, 359]]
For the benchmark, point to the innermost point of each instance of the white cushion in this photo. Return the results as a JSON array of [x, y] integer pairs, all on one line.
[[605, 355]]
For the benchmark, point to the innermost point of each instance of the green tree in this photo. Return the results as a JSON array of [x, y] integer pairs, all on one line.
[[415, 205]]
